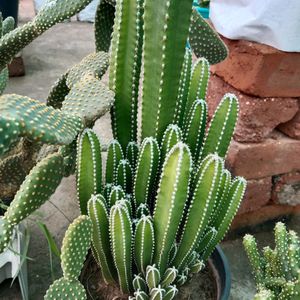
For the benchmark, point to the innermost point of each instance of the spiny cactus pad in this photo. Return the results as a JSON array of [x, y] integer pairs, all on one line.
[[89, 99], [63, 289], [204, 41], [22, 116], [94, 64], [38, 186], [75, 246], [58, 92], [54, 11], [3, 80]]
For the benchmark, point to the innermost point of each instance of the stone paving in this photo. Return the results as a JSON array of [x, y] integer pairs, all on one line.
[[45, 59]]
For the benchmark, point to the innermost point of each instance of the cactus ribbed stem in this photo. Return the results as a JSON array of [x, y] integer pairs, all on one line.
[[114, 156]]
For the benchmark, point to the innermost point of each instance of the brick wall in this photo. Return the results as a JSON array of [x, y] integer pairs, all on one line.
[[266, 145]]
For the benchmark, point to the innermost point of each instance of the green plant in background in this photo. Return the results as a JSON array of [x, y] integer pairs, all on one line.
[[276, 271], [36, 136]]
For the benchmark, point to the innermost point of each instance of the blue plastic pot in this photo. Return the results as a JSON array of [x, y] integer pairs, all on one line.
[[203, 11], [9, 8], [221, 270]]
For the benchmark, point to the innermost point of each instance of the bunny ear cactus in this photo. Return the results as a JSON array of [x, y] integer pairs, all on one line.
[[204, 41], [53, 11], [73, 255], [276, 271]]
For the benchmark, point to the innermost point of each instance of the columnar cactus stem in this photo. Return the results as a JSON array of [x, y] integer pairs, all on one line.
[[170, 201], [221, 127], [144, 243], [114, 155], [132, 153], [146, 171], [124, 175], [101, 244], [184, 85], [198, 84], [89, 168], [195, 127], [164, 48], [121, 242], [171, 137], [116, 194], [200, 209], [125, 68], [104, 22]]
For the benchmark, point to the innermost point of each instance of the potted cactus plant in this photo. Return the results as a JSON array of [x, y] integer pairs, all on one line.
[[142, 219], [276, 271]]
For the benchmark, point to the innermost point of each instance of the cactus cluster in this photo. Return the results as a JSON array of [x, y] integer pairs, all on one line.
[[276, 271]]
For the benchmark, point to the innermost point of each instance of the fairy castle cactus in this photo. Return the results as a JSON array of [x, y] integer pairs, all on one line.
[[166, 199], [276, 271]]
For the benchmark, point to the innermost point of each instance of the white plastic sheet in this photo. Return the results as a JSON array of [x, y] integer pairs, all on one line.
[[272, 22]]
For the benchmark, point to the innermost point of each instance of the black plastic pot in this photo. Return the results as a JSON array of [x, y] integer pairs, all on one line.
[[9, 8], [221, 270]]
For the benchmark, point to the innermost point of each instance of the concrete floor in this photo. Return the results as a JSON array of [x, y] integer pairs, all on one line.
[[45, 59]]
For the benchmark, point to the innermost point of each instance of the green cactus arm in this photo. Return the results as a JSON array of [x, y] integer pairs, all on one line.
[[63, 289], [204, 41], [289, 291], [89, 168], [222, 198], [14, 41], [195, 126], [104, 22], [125, 202], [235, 195], [200, 208], [58, 92], [54, 11], [94, 64], [171, 292], [171, 137], [142, 209], [22, 116], [166, 26], [170, 202], [124, 176], [169, 277], [4, 76], [184, 85], [140, 295], [255, 258], [132, 153], [221, 128], [35, 190], [125, 72], [114, 155], [264, 294], [157, 293], [116, 194], [121, 243], [281, 240], [146, 171], [144, 243], [206, 240], [8, 25], [101, 244], [198, 85], [139, 283], [75, 246], [89, 99], [272, 267], [152, 276]]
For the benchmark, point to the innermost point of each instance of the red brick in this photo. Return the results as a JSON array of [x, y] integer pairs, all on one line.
[[278, 154], [258, 117], [286, 189], [260, 70], [292, 127], [266, 213], [258, 194]]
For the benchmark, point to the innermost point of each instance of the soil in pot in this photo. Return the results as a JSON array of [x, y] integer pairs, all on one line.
[[202, 286]]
